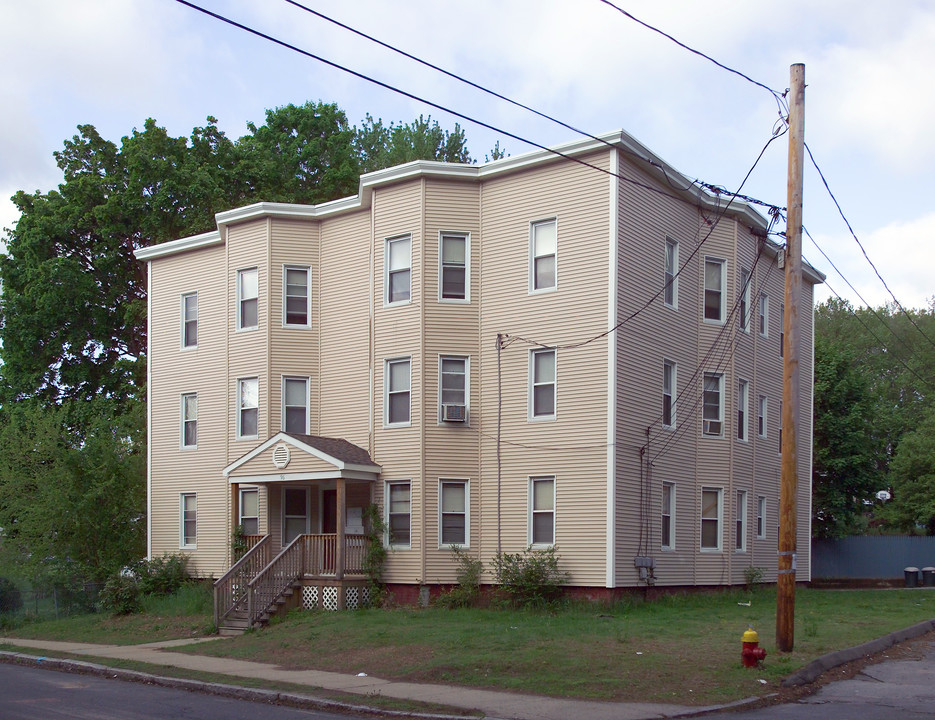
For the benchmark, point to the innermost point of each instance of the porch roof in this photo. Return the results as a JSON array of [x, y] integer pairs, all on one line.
[[330, 458]]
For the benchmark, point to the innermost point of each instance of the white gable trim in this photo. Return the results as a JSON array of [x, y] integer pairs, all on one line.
[[345, 467]]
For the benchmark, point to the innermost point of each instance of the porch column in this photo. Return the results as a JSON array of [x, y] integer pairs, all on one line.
[[341, 541]]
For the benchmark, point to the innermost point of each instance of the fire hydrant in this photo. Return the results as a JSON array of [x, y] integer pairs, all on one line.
[[752, 654]]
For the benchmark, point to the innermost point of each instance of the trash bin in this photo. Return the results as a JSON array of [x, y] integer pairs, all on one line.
[[912, 576], [928, 576]]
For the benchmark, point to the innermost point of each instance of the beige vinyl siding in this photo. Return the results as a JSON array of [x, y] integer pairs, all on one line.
[[397, 333], [173, 372], [300, 462], [573, 447]]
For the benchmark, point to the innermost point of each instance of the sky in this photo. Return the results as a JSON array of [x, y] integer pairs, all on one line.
[[868, 107]]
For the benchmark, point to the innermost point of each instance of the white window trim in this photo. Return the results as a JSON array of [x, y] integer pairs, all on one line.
[[467, 386], [743, 404], [720, 520], [720, 378], [704, 287], [763, 315], [308, 296], [761, 517], [674, 305], [467, 513], [467, 267], [182, 444], [530, 517], [762, 411], [386, 391], [673, 392], [533, 290], [240, 515], [671, 545], [307, 382], [746, 296], [240, 435], [386, 514], [240, 299], [782, 329], [182, 299], [308, 512], [182, 544], [386, 270], [740, 520], [532, 386]]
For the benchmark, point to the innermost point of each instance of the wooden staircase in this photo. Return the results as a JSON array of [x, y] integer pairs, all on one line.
[[237, 621]]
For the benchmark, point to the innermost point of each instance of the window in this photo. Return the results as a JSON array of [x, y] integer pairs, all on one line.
[[782, 329], [671, 292], [250, 512], [714, 290], [668, 393], [711, 519], [247, 299], [764, 315], [294, 513], [668, 513], [542, 511], [740, 538], [452, 382], [743, 392], [296, 304], [398, 270], [397, 379], [190, 320], [745, 300], [543, 249], [712, 410], [761, 517], [761, 417], [780, 426], [190, 420], [454, 267], [542, 384], [397, 510], [248, 393], [188, 520], [453, 507], [295, 405]]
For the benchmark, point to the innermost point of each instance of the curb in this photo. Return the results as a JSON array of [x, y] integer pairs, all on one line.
[[268, 697], [832, 660]]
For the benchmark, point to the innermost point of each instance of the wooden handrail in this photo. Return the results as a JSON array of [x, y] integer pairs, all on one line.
[[274, 579], [230, 590]]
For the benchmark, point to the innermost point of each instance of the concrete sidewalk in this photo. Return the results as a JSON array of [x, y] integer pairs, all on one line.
[[493, 704]]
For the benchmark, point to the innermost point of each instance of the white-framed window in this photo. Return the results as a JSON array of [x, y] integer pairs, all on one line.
[[543, 255], [764, 315], [743, 396], [780, 427], [295, 515], [761, 517], [782, 329], [295, 405], [670, 294], [542, 510], [712, 412], [250, 511], [398, 514], [542, 384], [454, 274], [398, 275], [711, 514], [189, 411], [761, 417], [188, 520], [669, 378], [248, 408], [744, 291], [453, 513], [452, 384], [397, 380], [740, 533], [248, 302], [296, 297], [189, 320], [714, 272], [668, 516]]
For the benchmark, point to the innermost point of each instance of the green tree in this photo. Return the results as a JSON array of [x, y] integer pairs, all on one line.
[[913, 476], [380, 146]]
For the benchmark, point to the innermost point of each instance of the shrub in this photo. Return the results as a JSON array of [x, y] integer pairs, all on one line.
[[10, 598], [530, 578], [374, 553], [467, 592], [162, 575], [121, 595], [752, 576]]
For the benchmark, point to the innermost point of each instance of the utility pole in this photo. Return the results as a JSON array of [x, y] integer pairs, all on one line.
[[785, 596]]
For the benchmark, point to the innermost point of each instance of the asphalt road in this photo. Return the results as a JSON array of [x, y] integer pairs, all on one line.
[[35, 694]]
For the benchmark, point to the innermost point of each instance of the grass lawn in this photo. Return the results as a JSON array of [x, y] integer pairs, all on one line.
[[680, 649]]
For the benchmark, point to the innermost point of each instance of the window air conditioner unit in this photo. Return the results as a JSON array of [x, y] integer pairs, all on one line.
[[712, 427], [454, 413]]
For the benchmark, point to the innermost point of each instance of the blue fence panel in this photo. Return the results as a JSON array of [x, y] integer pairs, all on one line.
[[871, 557]]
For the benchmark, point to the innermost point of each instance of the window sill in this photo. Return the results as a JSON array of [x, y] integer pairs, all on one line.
[[541, 418], [712, 551], [252, 328], [541, 291], [391, 426]]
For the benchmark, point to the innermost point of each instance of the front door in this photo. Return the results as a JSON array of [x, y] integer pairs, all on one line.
[[294, 513], [329, 512]]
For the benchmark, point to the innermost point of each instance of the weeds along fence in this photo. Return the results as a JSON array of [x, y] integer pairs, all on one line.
[[27, 604]]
